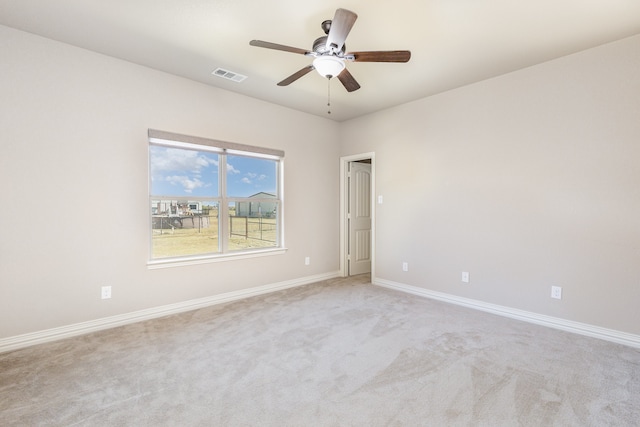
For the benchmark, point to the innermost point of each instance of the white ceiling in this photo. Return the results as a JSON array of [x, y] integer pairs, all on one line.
[[453, 42]]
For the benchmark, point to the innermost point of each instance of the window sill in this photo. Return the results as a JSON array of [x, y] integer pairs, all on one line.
[[207, 259]]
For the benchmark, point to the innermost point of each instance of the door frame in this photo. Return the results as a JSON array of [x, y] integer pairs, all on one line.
[[344, 203]]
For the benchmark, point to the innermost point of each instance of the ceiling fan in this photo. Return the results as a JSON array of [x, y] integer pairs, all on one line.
[[329, 52]]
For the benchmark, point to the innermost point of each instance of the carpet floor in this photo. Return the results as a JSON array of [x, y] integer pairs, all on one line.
[[341, 352]]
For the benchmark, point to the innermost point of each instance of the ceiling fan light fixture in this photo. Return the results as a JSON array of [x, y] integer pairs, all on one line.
[[328, 66]]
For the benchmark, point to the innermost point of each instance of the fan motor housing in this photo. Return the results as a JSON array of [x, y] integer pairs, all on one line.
[[320, 46]]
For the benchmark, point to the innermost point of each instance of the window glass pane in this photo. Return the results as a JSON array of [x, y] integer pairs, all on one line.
[[180, 172], [199, 191], [253, 224], [249, 176], [182, 227]]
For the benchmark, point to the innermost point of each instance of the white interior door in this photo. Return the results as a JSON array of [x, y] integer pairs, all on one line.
[[359, 218]]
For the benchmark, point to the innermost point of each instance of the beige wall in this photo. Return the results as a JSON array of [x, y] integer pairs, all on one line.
[[526, 180], [73, 177]]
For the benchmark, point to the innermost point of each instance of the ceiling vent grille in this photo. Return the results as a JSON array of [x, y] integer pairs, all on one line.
[[229, 75]]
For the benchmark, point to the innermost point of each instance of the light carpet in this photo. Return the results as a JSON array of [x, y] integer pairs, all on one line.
[[336, 353]]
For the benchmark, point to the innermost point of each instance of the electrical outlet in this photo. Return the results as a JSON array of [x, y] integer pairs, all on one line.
[[106, 292], [307, 260], [556, 292], [465, 277], [405, 266]]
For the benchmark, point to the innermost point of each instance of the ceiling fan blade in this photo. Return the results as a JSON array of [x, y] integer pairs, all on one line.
[[340, 26], [295, 76], [347, 80], [275, 46], [382, 56]]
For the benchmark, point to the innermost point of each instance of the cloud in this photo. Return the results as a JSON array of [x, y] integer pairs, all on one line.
[[231, 169], [250, 177], [164, 159], [187, 169], [187, 183]]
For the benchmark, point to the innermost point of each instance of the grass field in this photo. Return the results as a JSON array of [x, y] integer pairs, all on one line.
[[247, 233]]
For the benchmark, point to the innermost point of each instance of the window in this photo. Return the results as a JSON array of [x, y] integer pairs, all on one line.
[[211, 198]]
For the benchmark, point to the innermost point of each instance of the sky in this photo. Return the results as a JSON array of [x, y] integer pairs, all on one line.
[[183, 173]]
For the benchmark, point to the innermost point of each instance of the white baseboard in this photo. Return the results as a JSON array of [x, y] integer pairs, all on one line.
[[527, 316], [48, 335]]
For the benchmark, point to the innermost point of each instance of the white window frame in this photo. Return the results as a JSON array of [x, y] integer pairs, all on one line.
[[222, 148]]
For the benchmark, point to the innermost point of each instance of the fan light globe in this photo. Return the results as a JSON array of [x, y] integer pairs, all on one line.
[[328, 66]]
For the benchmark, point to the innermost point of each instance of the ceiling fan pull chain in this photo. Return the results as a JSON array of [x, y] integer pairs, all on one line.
[[329, 94]]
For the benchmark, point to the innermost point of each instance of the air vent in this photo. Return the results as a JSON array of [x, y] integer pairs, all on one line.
[[229, 75]]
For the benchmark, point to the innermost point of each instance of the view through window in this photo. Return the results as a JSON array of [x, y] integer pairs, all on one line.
[[205, 200]]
